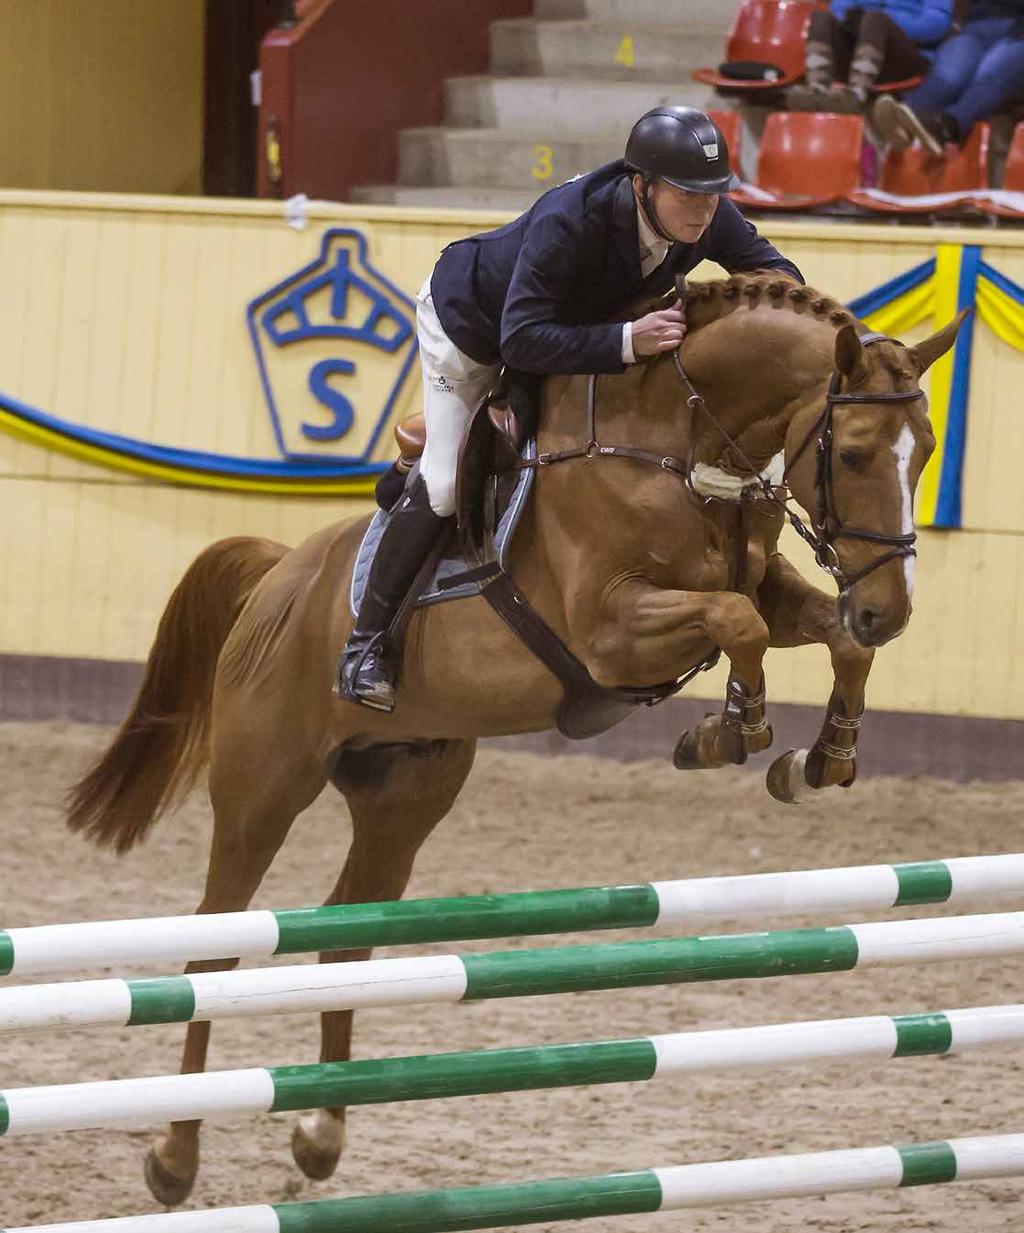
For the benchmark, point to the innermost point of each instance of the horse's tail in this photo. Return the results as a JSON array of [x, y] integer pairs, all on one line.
[[163, 745]]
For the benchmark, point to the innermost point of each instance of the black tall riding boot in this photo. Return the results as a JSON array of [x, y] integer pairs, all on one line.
[[365, 673]]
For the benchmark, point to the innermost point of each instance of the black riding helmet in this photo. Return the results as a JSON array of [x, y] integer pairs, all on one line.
[[683, 147]]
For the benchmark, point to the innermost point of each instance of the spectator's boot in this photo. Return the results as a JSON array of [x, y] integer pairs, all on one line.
[[843, 100], [889, 122], [937, 129], [933, 130], [365, 672]]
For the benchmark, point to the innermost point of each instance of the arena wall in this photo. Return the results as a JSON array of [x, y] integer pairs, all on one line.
[[106, 97], [128, 314]]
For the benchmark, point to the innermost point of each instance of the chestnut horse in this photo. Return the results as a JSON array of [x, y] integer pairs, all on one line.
[[628, 563]]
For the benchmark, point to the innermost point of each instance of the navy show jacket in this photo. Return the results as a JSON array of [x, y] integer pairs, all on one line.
[[539, 292]]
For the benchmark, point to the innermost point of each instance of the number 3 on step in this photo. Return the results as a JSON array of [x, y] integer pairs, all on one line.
[[544, 167]]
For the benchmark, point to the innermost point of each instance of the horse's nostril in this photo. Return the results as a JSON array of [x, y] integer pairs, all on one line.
[[867, 622]]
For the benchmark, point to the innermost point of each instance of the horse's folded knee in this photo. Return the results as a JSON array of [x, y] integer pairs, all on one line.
[[737, 626]]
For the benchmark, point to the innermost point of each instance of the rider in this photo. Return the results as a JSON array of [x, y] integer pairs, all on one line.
[[540, 295]]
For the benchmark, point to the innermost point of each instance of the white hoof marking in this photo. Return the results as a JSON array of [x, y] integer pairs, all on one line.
[[799, 788]]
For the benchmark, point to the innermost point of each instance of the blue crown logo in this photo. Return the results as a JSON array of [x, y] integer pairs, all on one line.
[[335, 343]]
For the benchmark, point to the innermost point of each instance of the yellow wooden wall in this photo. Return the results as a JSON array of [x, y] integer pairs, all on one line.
[[129, 314], [103, 95]]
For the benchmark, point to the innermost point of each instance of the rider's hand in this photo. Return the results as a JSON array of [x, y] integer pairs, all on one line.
[[660, 331]]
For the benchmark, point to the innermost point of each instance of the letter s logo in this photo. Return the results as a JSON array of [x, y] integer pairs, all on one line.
[[333, 400]]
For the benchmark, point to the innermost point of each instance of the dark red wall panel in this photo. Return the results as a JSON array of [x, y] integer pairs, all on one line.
[[338, 86]]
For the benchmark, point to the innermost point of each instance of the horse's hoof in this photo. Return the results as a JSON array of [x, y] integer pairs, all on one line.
[[785, 779], [318, 1156], [777, 779], [166, 1187], [687, 753]]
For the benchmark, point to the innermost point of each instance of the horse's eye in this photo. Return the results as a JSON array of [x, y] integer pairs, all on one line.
[[856, 460]]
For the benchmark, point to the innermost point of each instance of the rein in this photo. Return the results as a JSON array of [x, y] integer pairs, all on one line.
[[826, 526]]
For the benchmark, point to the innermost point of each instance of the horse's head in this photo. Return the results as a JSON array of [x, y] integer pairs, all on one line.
[[854, 466]]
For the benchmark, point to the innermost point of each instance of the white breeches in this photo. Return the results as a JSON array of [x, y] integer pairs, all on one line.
[[453, 386]]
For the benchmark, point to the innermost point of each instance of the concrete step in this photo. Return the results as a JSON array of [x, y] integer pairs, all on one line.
[[507, 200], [562, 104], [500, 158], [603, 50], [643, 12]]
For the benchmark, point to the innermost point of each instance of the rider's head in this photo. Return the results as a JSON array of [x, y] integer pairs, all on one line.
[[680, 164]]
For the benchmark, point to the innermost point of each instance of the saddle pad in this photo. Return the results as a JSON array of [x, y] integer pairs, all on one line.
[[455, 563]]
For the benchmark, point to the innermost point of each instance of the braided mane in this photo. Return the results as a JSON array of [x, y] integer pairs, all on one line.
[[708, 301]]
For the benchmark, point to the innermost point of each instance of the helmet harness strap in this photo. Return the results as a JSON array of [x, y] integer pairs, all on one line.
[[648, 207]]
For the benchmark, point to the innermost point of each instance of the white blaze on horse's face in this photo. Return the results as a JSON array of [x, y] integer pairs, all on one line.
[[879, 454], [904, 451]]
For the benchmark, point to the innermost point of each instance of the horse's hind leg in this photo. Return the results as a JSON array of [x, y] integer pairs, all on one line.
[[397, 794], [254, 804]]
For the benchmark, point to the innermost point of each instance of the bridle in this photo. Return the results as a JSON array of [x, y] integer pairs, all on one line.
[[826, 526]]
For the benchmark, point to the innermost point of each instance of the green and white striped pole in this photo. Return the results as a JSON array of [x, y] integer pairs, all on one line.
[[519, 973], [261, 934], [125, 1103], [615, 1194]]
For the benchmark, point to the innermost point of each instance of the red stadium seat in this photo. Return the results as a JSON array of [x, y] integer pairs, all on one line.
[[769, 32], [897, 87], [806, 159], [1013, 180], [731, 124], [915, 172]]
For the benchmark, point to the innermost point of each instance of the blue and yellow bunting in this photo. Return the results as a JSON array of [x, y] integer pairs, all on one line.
[[192, 468], [935, 291]]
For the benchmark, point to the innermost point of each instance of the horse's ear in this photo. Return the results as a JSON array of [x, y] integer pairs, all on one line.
[[849, 352], [925, 354]]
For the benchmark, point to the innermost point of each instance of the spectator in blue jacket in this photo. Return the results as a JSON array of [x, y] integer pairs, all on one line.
[[976, 74], [851, 47]]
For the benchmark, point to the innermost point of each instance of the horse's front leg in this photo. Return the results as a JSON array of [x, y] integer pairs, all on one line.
[[649, 634], [797, 614]]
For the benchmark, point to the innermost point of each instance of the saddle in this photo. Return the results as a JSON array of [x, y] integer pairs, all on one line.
[[489, 473]]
